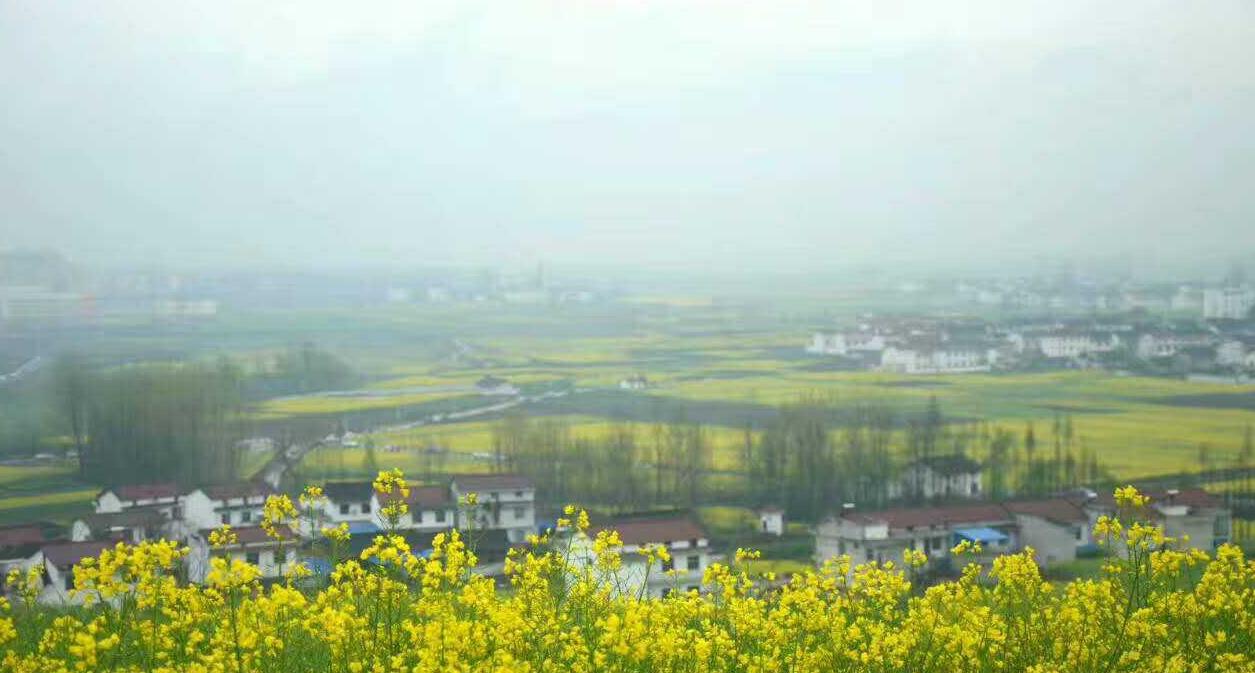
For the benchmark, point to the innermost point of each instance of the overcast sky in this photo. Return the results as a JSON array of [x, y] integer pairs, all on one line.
[[771, 134]]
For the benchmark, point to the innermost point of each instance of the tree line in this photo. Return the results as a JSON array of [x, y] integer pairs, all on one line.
[[812, 457]]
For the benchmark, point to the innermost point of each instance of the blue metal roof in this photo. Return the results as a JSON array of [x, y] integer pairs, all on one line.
[[982, 535], [362, 528]]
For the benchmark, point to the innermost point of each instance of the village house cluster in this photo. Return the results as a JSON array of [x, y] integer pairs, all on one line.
[[1057, 528], [503, 514], [920, 345]]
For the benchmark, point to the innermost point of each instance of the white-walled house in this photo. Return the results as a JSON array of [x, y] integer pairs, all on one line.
[[162, 496], [506, 502], [884, 535], [686, 541], [349, 501], [131, 526], [58, 560], [1054, 528], [234, 505], [948, 476], [273, 557], [1192, 515], [771, 521], [431, 508]]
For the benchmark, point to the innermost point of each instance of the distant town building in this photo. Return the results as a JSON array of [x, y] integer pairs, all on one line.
[[493, 386], [1071, 344], [1233, 302], [1167, 343], [634, 382], [935, 357], [846, 343]]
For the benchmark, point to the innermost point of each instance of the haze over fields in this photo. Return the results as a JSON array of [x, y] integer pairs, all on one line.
[[782, 135]]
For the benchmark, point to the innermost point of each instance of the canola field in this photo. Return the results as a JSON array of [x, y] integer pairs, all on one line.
[[1138, 426], [571, 607]]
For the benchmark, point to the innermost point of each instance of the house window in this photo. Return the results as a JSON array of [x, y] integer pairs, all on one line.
[[246, 516], [440, 516], [344, 508], [668, 564], [868, 554], [366, 508], [226, 517], [693, 562], [253, 557], [693, 542], [841, 547], [281, 556], [519, 512], [518, 494]]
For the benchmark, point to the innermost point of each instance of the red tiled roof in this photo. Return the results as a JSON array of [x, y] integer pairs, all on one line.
[[147, 491], [241, 490], [652, 531], [66, 554], [1190, 497], [933, 516], [475, 483], [19, 534], [1057, 510]]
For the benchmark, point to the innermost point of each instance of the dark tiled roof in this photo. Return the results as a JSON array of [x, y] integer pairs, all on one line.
[[934, 516], [652, 531], [146, 491], [425, 497], [21, 534], [475, 483], [951, 465], [1190, 497], [140, 516], [66, 554], [241, 490], [348, 491], [1057, 510]]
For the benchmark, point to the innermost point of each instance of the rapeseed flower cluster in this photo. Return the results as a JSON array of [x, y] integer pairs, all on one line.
[[1158, 607]]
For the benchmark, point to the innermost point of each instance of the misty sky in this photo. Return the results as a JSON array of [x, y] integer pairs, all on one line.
[[770, 134]]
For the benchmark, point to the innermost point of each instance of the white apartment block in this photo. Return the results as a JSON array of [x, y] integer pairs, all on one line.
[[1233, 302]]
